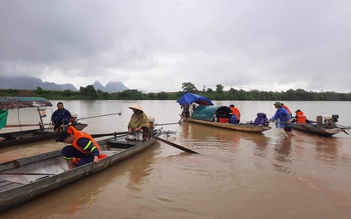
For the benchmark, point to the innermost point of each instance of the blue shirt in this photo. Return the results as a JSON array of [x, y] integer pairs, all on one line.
[[281, 115]]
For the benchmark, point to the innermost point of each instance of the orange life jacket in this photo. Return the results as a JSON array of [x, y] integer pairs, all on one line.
[[299, 113], [287, 108], [301, 119], [236, 112], [78, 135]]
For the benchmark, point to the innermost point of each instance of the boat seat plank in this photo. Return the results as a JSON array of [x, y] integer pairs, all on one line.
[[6, 185]]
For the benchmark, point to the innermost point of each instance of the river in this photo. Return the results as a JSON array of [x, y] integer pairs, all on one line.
[[235, 174]]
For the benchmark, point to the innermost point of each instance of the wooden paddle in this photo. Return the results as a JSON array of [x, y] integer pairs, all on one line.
[[171, 143], [4, 173], [108, 134]]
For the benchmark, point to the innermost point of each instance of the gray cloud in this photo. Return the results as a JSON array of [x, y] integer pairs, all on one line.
[[157, 45]]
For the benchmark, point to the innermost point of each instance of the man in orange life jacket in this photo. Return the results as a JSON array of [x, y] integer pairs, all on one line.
[[83, 146], [234, 110]]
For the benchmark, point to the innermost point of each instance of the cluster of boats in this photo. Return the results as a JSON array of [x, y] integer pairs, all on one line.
[[28, 177], [205, 114]]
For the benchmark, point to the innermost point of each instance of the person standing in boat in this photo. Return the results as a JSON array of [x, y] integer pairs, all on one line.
[[60, 117], [234, 111], [185, 110], [282, 118], [83, 149], [137, 122]]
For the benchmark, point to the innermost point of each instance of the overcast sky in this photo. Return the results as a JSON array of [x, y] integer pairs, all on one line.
[[156, 45]]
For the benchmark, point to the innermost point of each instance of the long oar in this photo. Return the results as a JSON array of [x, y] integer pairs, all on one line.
[[20, 125], [172, 123], [91, 117], [4, 173], [171, 143], [108, 134]]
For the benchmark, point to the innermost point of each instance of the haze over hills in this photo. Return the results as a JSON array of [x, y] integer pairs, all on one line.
[[31, 83]]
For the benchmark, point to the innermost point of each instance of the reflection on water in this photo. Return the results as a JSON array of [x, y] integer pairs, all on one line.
[[282, 154], [327, 149], [140, 170]]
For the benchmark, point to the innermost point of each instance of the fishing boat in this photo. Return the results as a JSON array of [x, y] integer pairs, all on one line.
[[324, 126], [244, 127], [217, 116], [42, 132], [313, 128], [27, 178]]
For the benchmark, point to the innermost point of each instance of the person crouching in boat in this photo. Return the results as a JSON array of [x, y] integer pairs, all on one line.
[[83, 149], [138, 121], [282, 116]]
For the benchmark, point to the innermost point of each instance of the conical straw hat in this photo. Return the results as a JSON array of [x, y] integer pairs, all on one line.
[[136, 106]]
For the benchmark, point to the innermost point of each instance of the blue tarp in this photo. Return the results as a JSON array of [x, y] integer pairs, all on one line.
[[190, 98]]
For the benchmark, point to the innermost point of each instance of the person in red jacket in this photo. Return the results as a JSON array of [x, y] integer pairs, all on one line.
[[83, 147]]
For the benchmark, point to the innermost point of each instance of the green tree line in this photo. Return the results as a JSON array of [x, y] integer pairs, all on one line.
[[89, 93]]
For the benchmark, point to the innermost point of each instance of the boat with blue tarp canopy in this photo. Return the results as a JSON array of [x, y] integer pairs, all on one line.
[[218, 116], [208, 113], [190, 98]]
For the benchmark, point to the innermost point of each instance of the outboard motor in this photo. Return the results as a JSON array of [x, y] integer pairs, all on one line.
[[335, 118], [329, 120]]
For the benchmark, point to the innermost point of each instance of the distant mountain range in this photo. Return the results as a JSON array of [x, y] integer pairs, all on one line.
[[31, 83]]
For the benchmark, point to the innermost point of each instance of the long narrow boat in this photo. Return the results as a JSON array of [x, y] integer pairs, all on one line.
[[217, 116], [27, 178], [42, 132], [321, 130], [244, 127]]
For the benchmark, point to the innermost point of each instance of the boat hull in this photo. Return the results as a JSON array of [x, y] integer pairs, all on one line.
[[31, 136], [17, 189], [236, 127], [317, 130]]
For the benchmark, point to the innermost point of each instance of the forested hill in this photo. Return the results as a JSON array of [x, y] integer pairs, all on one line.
[[91, 93]]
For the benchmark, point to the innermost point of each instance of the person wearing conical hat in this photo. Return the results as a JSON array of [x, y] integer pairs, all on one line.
[[282, 118], [138, 122]]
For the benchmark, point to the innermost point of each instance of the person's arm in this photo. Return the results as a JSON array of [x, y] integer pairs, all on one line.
[[66, 116], [273, 118]]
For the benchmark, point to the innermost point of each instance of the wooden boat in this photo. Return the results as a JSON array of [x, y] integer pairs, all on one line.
[[217, 116], [27, 178], [42, 132], [321, 130], [31, 136], [244, 127]]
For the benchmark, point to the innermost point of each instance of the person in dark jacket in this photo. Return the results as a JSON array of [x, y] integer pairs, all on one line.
[[60, 117]]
